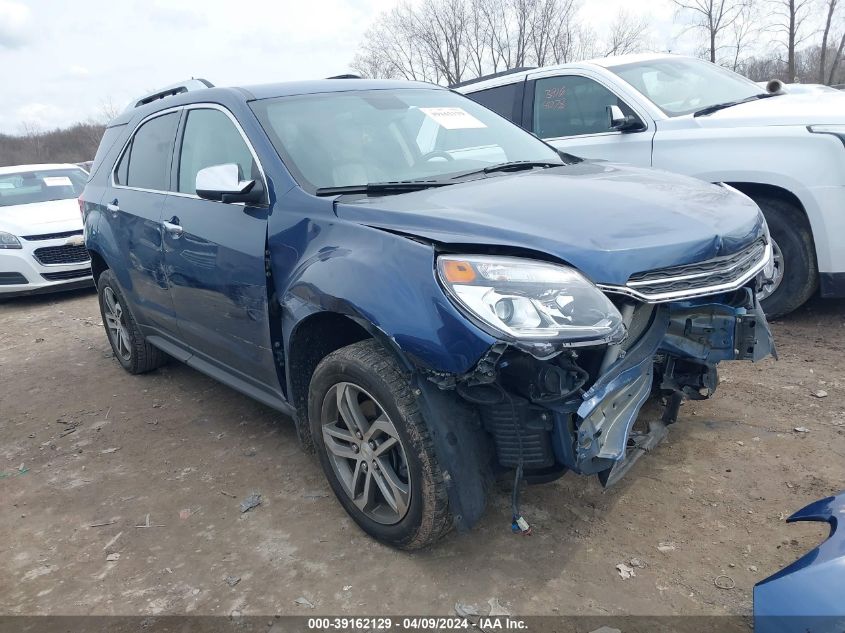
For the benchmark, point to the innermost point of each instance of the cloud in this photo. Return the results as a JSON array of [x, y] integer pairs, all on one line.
[[78, 71], [14, 24], [42, 115]]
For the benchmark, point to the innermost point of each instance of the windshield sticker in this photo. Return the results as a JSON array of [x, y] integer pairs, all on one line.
[[453, 118], [57, 181]]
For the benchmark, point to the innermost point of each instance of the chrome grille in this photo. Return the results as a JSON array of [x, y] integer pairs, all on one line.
[[720, 274], [65, 254]]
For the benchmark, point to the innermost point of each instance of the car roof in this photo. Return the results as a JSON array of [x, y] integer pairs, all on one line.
[[602, 62], [266, 91], [13, 169], [317, 86]]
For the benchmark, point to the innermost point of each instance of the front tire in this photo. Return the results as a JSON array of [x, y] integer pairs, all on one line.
[[129, 346], [375, 447], [796, 272]]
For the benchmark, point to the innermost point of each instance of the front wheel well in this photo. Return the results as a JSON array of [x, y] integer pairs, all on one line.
[[755, 191], [314, 338]]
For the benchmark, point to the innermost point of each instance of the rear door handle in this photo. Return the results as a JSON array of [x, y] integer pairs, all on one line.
[[173, 227], [112, 207]]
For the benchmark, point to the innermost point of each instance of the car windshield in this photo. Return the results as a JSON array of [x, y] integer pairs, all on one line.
[[40, 185], [343, 139], [681, 86]]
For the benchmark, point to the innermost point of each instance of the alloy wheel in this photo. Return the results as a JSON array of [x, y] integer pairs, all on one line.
[[115, 323], [366, 453]]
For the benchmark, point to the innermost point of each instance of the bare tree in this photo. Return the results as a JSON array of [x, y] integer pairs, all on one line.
[[628, 34], [712, 17], [744, 31], [439, 28], [836, 59], [831, 10], [390, 48], [108, 109], [790, 19], [448, 41]]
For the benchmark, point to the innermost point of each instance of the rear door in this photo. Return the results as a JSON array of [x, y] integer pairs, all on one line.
[[214, 252], [134, 202], [570, 112]]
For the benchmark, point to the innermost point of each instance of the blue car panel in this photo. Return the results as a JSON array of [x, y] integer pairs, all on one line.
[[808, 596]]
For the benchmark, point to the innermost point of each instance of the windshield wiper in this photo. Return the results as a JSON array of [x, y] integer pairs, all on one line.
[[375, 188], [514, 165], [729, 104]]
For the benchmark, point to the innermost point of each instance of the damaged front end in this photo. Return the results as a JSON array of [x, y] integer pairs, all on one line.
[[551, 409]]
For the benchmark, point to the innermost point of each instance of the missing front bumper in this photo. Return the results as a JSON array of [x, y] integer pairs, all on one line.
[[592, 431]]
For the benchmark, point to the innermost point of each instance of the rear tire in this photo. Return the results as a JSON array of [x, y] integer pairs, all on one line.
[[351, 389], [129, 346], [791, 232]]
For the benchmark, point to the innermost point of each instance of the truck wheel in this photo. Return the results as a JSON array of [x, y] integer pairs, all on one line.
[[796, 277], [375, 448], [128, 344]]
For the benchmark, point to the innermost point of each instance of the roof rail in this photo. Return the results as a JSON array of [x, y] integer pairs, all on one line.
[[346, 76], [502, 73], [174, 89]]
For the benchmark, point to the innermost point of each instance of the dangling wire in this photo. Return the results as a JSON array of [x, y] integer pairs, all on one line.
[[518, 524]]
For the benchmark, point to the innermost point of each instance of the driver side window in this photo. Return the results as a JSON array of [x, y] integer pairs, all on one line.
[[572, 105], [210, 138]]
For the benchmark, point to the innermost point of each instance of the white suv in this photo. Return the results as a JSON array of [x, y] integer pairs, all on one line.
[[786, 151], [41, 245]]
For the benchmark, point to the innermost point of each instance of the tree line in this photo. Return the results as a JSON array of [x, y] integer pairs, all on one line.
[[449, 41], [74, 144]]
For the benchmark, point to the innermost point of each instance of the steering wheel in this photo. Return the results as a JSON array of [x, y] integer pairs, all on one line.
[[437, 154]]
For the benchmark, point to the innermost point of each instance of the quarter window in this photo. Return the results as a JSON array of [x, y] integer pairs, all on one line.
[[146, 162], [210, 138], [571, 106]]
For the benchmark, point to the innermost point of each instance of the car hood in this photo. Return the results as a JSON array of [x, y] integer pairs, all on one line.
[[787, 109], [54, 216], [607, 220]]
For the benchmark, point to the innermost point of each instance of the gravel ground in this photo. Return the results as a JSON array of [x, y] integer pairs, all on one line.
[[120, 495]]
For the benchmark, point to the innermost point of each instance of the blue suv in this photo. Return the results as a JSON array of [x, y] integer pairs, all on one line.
[[435, 296]]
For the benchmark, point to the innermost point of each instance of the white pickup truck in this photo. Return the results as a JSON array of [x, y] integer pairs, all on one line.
[[785, 151]]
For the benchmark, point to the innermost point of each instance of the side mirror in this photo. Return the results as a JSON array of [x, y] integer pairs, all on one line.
[[223, 184], [623, 122]]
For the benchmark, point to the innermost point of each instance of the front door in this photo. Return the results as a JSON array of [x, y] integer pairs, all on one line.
[[570, 112], [214, 253]]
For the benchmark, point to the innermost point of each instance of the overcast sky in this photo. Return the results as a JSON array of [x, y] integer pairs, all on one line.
[[66, 59]]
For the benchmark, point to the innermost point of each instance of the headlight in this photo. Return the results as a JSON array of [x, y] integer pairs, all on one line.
[[835, 130], [7, 240], [528, 299]]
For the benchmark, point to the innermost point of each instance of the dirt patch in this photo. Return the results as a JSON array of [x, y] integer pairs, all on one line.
[[121, 494]]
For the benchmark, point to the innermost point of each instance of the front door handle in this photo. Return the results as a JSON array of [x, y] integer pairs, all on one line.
[[173, 227]]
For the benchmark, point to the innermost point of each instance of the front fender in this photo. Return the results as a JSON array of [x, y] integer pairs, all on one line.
[[381, 280]]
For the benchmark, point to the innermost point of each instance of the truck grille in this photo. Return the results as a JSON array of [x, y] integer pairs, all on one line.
[[64, 254], [720, 274]]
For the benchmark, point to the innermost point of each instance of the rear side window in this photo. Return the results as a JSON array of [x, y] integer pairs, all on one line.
[[499, 99], [110, 137], [210, 138], [146, 162]]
